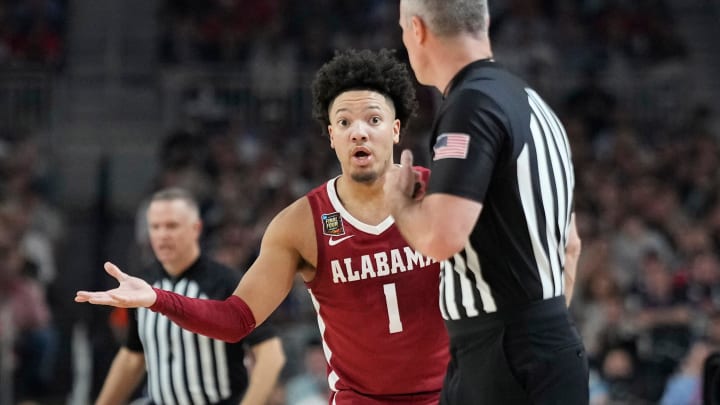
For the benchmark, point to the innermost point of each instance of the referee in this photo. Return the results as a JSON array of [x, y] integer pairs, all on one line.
[[497, 212], [183, 367]]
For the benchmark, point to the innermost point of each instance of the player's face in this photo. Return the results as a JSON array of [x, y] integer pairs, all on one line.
[[363, 130], [174, 230]]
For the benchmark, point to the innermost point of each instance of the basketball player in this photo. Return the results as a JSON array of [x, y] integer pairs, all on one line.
[[376, 298]]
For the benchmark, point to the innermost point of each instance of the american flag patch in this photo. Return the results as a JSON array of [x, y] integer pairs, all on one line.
[[451, 146]]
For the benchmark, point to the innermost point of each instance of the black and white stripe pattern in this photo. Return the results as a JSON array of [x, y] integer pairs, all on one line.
[[545, 183], [555, 173], [183, 368]]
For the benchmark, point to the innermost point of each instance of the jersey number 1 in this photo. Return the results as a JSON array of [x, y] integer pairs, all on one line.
[[395, 324]]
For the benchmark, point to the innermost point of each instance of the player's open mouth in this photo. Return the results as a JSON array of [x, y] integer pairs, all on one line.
[[361, 155]]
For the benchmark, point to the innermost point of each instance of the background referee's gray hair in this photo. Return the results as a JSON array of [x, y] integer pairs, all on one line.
[[177, 193], [451, 17]]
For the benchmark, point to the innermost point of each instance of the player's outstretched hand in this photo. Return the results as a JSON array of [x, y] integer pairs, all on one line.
[[132, 292]]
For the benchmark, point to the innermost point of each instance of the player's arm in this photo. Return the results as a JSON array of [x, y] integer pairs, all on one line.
[[572, 254], [438, 224], [126, 372], [261, 290], [269, 361], [270, 278]]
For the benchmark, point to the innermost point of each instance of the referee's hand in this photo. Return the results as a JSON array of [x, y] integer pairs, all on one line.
[[404, 182], [132, 292]]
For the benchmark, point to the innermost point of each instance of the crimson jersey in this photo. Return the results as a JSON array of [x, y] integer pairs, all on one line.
[[377, 305]]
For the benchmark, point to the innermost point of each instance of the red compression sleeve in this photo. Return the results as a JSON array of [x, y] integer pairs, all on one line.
[[229, 320]]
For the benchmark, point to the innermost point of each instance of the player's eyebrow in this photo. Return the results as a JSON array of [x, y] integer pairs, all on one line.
[[370, 107]]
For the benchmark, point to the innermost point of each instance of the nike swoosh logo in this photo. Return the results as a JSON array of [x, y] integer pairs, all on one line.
[[333, 242]]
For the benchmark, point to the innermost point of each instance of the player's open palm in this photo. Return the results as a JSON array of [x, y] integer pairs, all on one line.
[[132, 292]]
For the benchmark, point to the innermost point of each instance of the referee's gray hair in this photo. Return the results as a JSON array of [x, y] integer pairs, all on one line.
[[175, 194], [447, 18]]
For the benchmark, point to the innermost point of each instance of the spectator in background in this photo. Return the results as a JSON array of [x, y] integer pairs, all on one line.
[[36, 222], [30, 328], [620, 372], [701, 282], [661, 315], [633, 239], [309, 387], [598, 389], [685, 387], [35, 245], [601, 300]]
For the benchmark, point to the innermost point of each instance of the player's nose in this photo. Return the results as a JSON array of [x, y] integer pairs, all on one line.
[[358, 132]]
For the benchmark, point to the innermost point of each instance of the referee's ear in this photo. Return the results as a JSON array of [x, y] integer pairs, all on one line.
[[419, 29]]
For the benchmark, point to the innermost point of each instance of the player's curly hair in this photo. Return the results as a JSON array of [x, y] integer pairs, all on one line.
[[364, 69]]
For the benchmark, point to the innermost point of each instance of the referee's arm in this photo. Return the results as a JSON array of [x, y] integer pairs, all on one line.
[[126, 372], [572, 254], [269, 360]]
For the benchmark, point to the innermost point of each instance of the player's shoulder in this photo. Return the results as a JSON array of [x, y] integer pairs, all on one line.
[[293, 222]]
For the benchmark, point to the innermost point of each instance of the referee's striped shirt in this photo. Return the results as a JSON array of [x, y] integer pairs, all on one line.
[[497, 142], [185, 368]]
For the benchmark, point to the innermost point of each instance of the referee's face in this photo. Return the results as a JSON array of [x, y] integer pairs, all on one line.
[[363, 130], [174, 229]]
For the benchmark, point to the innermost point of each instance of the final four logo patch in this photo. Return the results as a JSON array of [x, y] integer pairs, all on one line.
[[332, 224]]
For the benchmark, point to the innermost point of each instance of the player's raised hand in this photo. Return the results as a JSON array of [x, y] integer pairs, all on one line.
[[132, 292]]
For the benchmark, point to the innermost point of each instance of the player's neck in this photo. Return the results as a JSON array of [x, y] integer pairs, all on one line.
[[365, 201]]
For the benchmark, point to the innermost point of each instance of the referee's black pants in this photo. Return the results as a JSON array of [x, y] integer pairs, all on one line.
[[533, 355]]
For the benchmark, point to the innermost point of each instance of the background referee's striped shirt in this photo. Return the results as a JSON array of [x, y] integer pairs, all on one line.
[[497, 142], [183, 367]]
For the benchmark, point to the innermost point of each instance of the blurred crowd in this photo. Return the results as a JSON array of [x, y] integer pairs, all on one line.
[[647, 296], [32, 33], [31, 233], [272, 34]]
